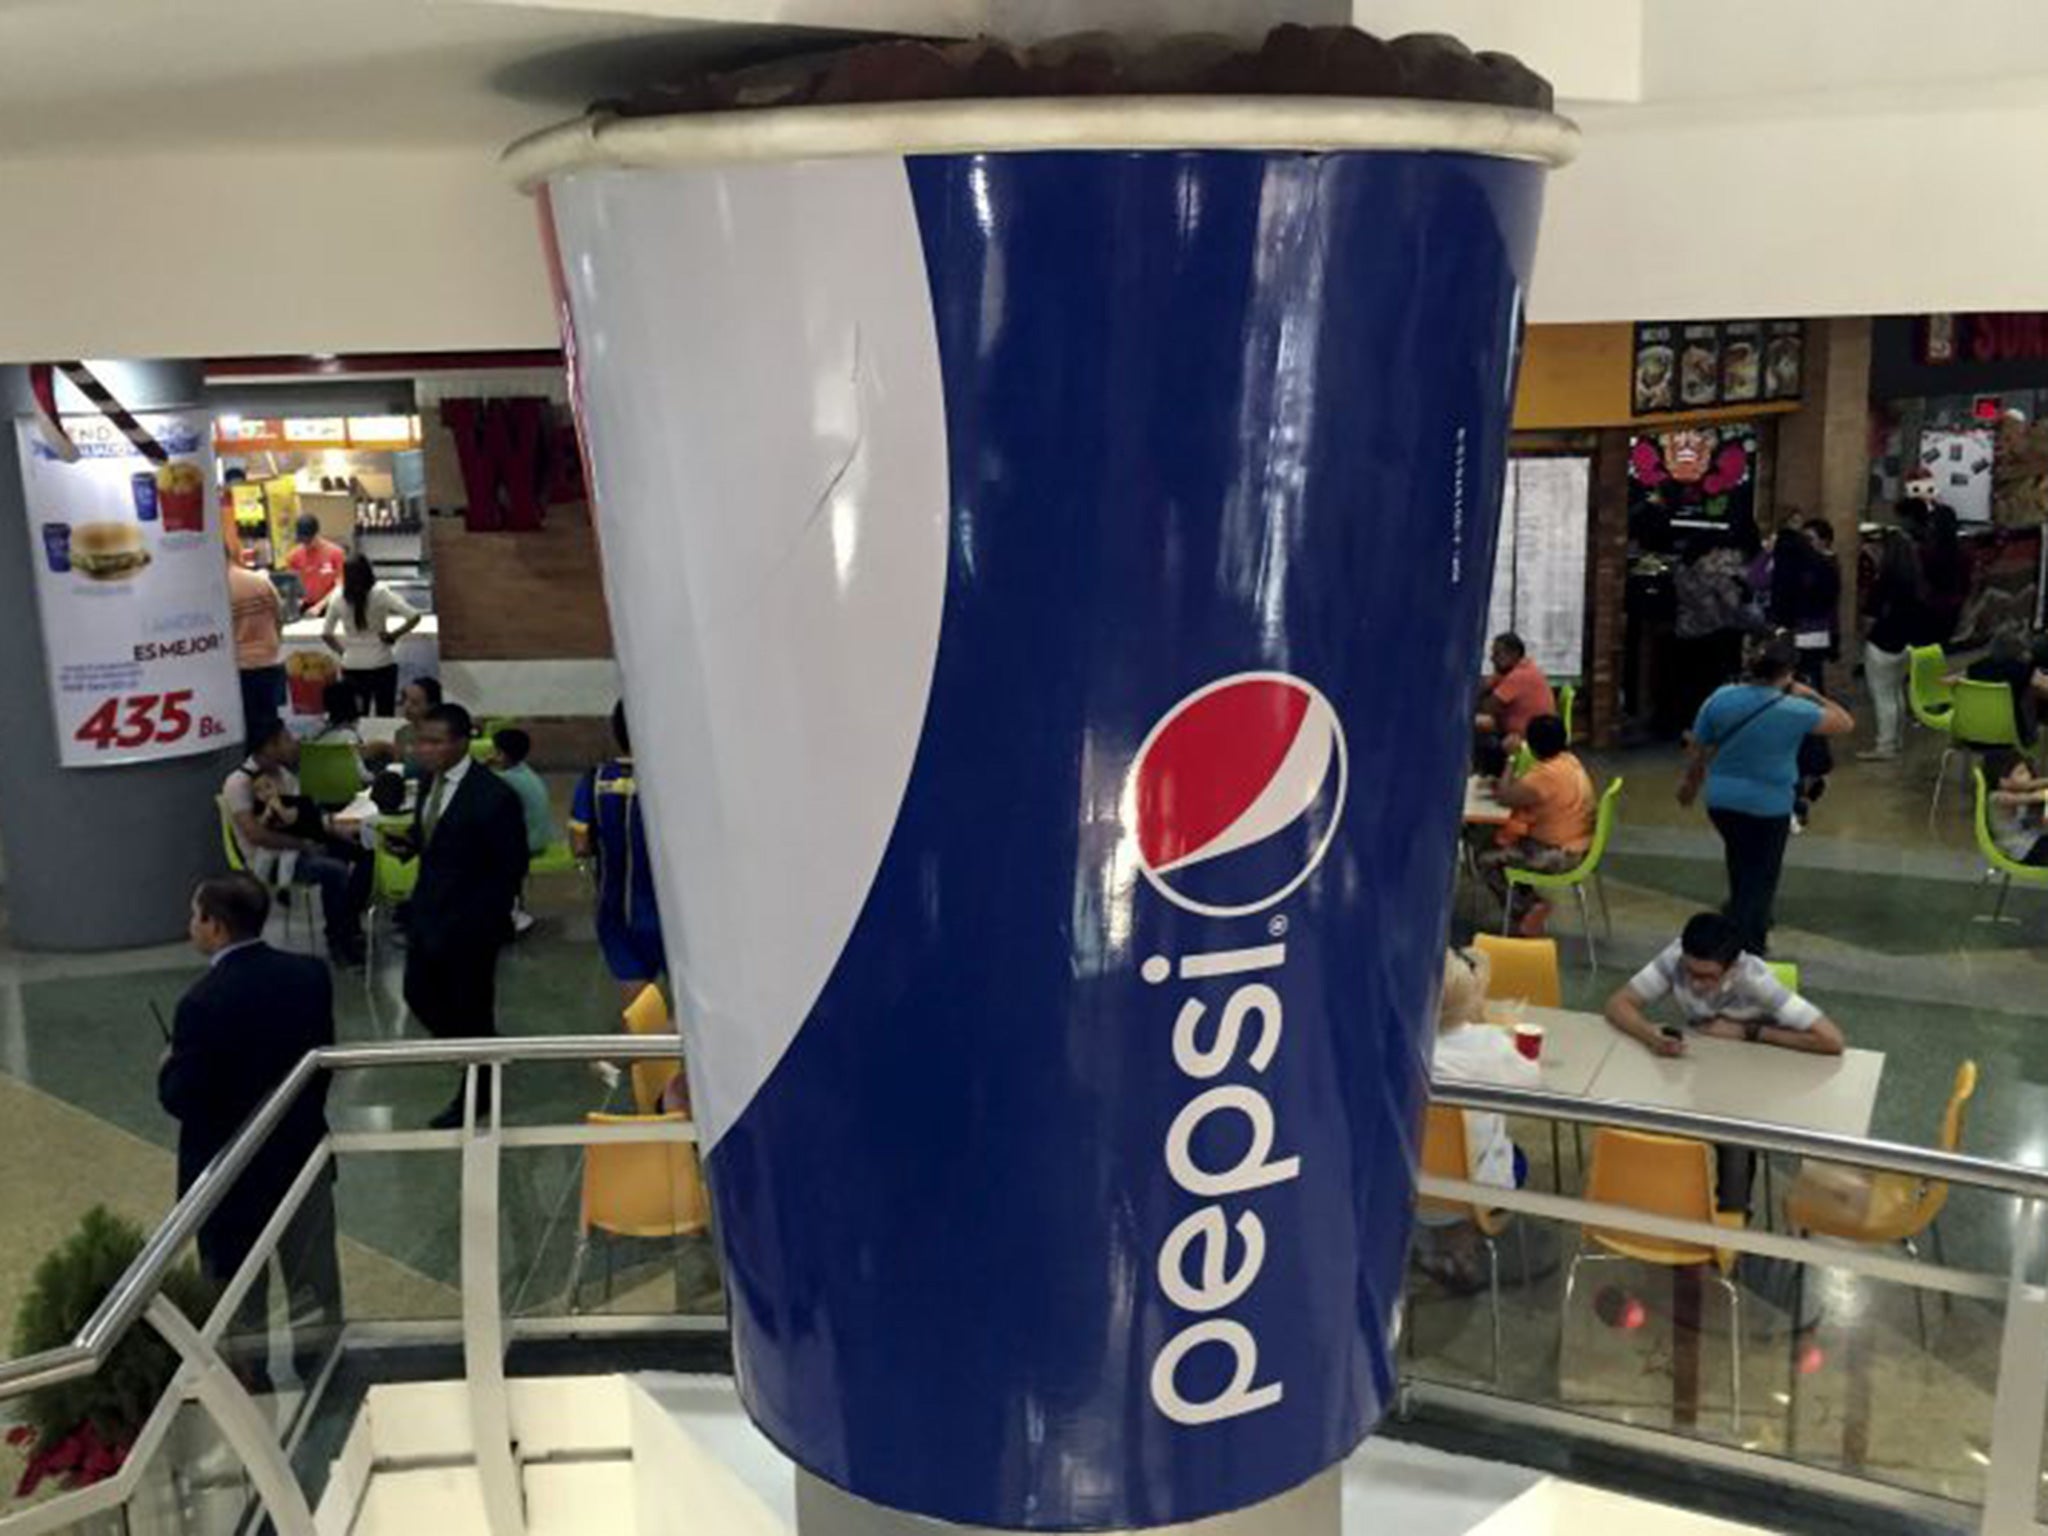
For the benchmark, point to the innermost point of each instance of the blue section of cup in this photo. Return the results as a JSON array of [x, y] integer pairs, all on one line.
[[1005, 1248]]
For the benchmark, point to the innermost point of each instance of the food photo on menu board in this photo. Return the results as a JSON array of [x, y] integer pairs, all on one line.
[[1656, 369], [1699, 365], [131, 590], [1742, 359], [1784, 359]]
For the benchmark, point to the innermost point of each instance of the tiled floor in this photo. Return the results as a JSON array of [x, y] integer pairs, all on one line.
[[1877, 908], [1880, 908]]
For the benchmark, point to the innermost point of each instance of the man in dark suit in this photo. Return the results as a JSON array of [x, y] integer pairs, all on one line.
[[470, 833], [239, 1032]]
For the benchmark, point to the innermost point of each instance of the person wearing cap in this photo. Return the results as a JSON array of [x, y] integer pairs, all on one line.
[[317, 561]]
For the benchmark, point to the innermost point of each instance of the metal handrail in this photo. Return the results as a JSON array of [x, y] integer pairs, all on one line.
[[130, 1297], [125, 1304], [1760, 1135]]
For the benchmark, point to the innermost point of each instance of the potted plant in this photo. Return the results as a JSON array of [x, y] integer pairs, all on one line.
[[80, 1431]]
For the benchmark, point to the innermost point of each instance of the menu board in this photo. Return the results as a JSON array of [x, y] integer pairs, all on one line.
[[131, 587], [1539, 566], [1961, 463], [1701, 365]]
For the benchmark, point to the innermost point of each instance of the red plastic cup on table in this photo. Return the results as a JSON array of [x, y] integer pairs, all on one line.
[[1529, 1040]]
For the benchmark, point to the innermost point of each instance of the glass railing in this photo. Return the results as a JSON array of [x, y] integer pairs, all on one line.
[[1869, 1373], [1870, 1376]]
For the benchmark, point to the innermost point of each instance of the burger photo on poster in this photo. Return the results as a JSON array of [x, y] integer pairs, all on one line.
[[107, 551]]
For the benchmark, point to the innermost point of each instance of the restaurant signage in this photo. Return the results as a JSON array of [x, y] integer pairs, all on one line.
[[131, 587]]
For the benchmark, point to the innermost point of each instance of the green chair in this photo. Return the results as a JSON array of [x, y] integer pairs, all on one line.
[[1999, 861], [480, 746], [1567, 704], [280, 890], [558, 859], [1786, 972], [1929, 693], [1587, 872], [1983, 717], [330, 773]]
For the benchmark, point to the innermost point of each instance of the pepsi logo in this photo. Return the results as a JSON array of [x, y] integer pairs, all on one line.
[[1236, 793]]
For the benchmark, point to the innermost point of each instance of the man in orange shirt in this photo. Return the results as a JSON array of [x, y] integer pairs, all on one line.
[[1518, 693], [256, 616], [317, 561], [1551, 825]]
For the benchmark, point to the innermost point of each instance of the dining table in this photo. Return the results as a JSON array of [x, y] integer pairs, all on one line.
[[1481, 808]]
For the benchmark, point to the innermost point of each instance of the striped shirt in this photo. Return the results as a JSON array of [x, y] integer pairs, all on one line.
[[255, 611]]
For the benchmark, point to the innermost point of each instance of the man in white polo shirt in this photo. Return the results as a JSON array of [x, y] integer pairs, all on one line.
[[1726, 994], [1721, 992]]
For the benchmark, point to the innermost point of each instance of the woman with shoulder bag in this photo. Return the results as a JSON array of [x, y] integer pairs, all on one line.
[[1744, 754]]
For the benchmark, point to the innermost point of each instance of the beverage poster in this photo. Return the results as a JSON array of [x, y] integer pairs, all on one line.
[[131, 585]]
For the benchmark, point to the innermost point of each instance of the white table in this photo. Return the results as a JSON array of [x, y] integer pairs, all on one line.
[[1575, 1045], [1836, 1094], [1481, 809]]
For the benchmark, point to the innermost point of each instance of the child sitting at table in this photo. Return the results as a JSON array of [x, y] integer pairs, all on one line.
[[2014, 810], [1468, 1049], [1552, 807]]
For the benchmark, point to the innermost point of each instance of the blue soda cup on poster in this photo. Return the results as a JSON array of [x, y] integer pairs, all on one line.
[[57, 547], [142, 485], [1082, 559]]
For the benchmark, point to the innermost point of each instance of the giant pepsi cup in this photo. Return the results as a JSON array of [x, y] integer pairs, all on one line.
[[1049, 585]]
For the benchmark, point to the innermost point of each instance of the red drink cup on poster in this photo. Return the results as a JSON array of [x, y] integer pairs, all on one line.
[[1529, 1040]]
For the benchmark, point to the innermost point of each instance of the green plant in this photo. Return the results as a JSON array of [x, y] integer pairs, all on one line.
[[73, 1279]]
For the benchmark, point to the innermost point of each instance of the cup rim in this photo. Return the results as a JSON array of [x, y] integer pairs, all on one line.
[[1307, 124]]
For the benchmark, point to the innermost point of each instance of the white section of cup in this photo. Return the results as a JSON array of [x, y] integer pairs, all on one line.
[[1309, 123]]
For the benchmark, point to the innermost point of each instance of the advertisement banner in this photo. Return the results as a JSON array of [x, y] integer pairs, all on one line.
[[132, 588]]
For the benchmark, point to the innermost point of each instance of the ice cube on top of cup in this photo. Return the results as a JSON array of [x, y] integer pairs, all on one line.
[[1293, 60]]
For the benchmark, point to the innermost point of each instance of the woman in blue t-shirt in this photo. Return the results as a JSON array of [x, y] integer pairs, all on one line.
[[1745, 744]]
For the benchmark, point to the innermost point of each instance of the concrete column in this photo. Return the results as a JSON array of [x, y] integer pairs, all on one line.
[[1315, 1508], [1824, 446], [97, 858]]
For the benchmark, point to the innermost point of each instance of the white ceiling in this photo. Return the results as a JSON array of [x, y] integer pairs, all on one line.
[[1741, 156], [91, 75]]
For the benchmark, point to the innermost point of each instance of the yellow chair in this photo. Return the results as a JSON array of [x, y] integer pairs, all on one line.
[[647, 1014], [1528, 969], [637, 1189], [2000, 862], [1661, 1176], [1863, 1206], [1524, 968], [1446, 1154]]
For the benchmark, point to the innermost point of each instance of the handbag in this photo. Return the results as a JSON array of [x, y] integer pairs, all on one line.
[[1695, 776]]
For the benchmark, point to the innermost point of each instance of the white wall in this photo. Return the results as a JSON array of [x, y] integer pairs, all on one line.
[[1590, 50], [1789, 156], [1858, 210], [213, 253]]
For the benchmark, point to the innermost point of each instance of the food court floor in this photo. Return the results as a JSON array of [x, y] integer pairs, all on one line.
[[1879, 909], [1876, 908]]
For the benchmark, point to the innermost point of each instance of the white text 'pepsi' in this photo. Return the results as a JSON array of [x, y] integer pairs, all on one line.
[[1211, 1284]]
